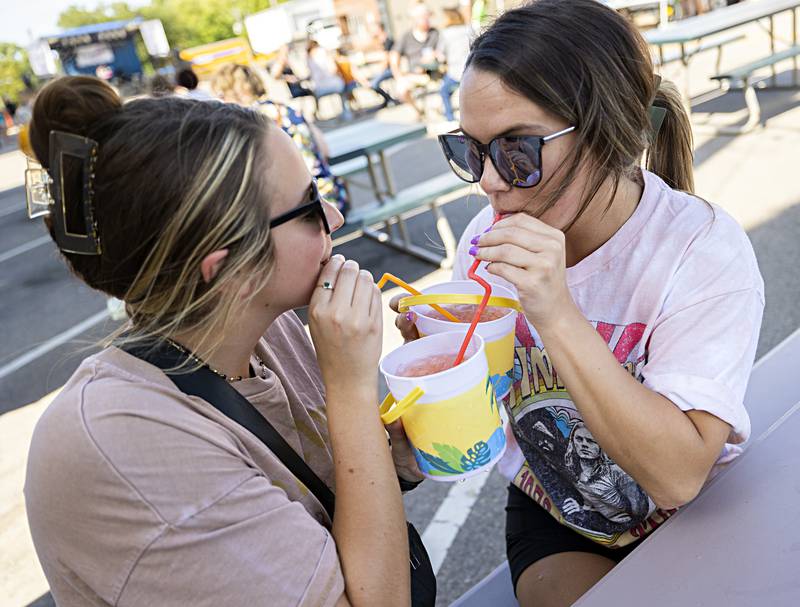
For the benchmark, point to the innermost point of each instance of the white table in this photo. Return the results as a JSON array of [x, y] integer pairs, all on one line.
[[737, 545], [369, 139]]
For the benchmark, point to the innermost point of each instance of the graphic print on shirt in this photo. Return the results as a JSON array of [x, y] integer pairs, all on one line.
[[566, 470]]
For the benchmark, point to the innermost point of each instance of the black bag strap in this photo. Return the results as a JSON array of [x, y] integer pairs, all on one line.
[[217, 392]]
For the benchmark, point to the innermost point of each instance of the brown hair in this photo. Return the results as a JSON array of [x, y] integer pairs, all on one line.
[[583, 62], [175, 179]]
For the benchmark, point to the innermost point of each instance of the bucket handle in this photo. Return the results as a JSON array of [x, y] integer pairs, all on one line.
[[456, 298], [391, 410]]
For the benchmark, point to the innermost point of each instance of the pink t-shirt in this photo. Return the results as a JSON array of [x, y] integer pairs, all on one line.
[[677, 295], [140, 495]]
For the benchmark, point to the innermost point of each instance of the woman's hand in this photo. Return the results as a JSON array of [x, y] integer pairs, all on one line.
[[346, 324], [405, 321], [404, 461], [530, 255]]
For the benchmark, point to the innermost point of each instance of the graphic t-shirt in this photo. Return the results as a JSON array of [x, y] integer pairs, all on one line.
[[677, 295]]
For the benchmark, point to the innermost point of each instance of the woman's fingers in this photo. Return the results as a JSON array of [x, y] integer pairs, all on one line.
[[394, 302], [345, 285], [362, 293], [376, 305], [329, 274], [510, 254], [405, 324]]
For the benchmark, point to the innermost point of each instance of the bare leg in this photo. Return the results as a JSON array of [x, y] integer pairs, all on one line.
[[561, 579]]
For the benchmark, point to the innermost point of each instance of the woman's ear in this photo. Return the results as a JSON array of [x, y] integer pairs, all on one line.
[[211, 264]]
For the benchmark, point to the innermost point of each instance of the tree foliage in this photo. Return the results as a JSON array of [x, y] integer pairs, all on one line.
[[186, 22], [13, 64]]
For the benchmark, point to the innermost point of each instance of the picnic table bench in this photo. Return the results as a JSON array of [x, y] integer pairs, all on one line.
[[747, 512], [363, 146], [744, 76]]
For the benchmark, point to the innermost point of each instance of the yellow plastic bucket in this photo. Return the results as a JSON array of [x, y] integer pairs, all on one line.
[[498, 334], [451, 418]]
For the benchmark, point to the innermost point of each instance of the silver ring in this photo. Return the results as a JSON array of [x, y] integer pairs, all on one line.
[[327, 286]]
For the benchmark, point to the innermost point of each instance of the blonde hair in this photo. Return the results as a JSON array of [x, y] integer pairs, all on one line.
[[233, 79], [175, 180]]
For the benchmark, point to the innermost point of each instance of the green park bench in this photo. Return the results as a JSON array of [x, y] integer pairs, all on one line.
[[744, 76], [378, 220]]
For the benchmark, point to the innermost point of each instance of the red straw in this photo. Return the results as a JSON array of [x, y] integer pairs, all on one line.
[[487, 288]]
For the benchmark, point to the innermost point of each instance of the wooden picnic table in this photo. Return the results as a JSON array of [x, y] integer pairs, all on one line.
[[369, 139], [693, 29], [736, 545]]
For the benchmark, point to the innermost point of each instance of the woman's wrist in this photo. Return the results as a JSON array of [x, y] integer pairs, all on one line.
[[352, 393], [559, 323]]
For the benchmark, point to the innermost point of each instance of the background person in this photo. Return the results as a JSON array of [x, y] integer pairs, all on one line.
[[188, 81], [326, 77], [414, 55], [384, 68], [453, 50]]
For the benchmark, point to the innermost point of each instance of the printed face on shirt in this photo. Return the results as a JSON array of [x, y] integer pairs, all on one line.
[[585, 445], [301, 245], [489, 109]]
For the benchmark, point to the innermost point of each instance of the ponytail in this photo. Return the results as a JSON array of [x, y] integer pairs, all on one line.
[[671, 154]]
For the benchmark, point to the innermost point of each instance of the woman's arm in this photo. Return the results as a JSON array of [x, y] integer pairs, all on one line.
[[668, 452], [369, 523]]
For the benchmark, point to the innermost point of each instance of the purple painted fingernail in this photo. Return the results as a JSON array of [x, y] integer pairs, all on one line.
[[473, 251], [475, 239], [488, 229], [410, 316]]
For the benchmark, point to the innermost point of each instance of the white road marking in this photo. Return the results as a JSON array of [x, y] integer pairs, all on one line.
[[24, 247], [453, 511], [52, 343]]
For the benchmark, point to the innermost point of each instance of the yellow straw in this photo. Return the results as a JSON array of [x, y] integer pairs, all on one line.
[[400, 283]]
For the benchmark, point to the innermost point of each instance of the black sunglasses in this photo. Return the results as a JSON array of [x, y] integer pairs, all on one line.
[[518, 160], [311, 205]]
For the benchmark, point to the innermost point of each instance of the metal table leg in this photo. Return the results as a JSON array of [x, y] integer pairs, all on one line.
[[794, 42], [772, 48], [687, 96], [373, 178], [387, 176]]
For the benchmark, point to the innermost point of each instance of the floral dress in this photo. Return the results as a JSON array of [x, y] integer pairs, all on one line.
[[332, 188]]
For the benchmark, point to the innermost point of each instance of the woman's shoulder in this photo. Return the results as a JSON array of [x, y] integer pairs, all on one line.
[[706, 237], [693, 220], [117, 410], [122, 424]]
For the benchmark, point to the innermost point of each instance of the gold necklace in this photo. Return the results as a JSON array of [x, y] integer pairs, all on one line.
[[229, 378]]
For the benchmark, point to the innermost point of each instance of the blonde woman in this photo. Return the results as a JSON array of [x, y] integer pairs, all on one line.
[[203, 218]]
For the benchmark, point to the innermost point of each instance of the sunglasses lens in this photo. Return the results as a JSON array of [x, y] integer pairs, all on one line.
[[517, 160], [464, 158]]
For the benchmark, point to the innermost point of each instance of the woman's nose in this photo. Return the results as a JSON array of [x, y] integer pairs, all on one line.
[[335, 217], [491, 181]]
